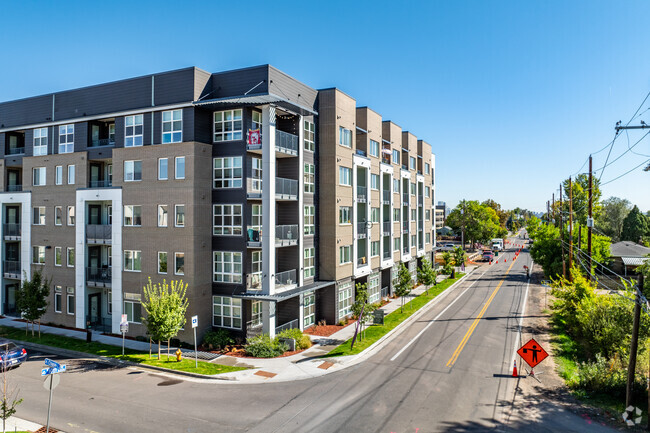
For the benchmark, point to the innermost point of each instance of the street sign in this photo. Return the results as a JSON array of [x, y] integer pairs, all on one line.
[[532, 352], [378, 317], [55, 381], [51, 363], [53, 370], [124, 327], [46, 371], [195, 321]]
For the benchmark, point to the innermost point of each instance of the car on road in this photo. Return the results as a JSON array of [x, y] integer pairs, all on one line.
[[447, 247], [488, 256], [11, 355]]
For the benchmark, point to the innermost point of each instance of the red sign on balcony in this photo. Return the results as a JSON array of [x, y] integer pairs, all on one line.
[[254, 137]]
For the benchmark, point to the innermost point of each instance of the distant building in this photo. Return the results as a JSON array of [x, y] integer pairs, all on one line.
[[441, 214], [625, 256]]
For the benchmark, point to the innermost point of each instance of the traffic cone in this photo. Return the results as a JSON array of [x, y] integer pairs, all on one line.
[[514, 370], [505, 260]]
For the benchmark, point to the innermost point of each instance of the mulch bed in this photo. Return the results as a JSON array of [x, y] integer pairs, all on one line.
[[326, 330]]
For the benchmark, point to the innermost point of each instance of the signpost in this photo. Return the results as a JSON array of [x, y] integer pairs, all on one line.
[[378, 317], [124, 328], [195, 324], [52, 368], [533, 353]]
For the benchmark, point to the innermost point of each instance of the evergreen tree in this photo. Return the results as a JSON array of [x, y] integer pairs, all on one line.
[[635, 226]]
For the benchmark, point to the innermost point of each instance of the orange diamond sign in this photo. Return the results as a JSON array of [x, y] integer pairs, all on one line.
[[532, 352]]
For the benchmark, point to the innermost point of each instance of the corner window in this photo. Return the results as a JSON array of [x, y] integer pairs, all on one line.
[[132, 171], [162, 168], [66, 138], [38, 174], [228, 125], [40, 141], [133, 130], [309, 137], [226, 312], [172, 126], [179, 171]]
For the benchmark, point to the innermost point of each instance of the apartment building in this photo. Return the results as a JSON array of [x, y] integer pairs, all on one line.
[[269, 198]]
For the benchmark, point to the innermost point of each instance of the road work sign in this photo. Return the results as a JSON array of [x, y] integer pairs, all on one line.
[[532, 353]]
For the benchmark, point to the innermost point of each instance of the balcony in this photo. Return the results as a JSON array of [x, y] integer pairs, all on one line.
[[286, 143], [385, 196], [253, 282], [387, 255], [14, 188], [405, 227], [11, 269], [99, 276], [16, 151], [362, 194], [362, 230], [286, 279], [102, 142], [387, 228], [99, 234], [286, 235], [11, 232], [286, 189], [294, 324], [362, 261], [254, 237], [105, 183]]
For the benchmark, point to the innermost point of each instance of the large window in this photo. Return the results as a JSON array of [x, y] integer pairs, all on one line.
[[345, 137], [257, 120], [71, 177], [310, 220], [38, 255], [66, 138], [39, 174], [227, 267], [132, 215], [133, 130], [309, 309], [374, 148], [179, 220], [132, 171], [309, 137], [374, 248], [309, 265], [345, 215], [374, 181], [162, 168], [132, 260], [172, 126], [226, 312], [345, 299], [133, 311], [227, 219], [39, 216], [228, 125], [179, 263], [256, 171], [71, 217], [309, 177], [227, 172], [374, 214], [58, 177], [345, 176], [40, 141], [162, 215], [374, 291], [70, 257], [162, 262], [345, 254], [57, 298], [179, 170], [58, 256]]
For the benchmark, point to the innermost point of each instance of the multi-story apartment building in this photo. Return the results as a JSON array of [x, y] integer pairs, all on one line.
[[441, 214], [269, 198]]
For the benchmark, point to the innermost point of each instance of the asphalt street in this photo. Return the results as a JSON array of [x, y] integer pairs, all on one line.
[[448, 371]]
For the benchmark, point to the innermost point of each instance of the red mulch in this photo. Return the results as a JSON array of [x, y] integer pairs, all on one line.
[[242, 354], [326, 330]]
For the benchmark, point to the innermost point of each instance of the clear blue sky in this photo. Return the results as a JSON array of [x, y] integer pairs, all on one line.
[[512, 95]]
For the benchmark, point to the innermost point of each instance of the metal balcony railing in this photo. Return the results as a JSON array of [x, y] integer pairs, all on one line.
[[14, 188], [253, 235], [102, 142], [289, 325], [11, 269], [362, 193], [387, 226], [105, 183], [362, 261], [385, 196], [362, 230], [360, 152], [99, 233], [286, 189], [253, 328], [286, 235], [99, 276], [387, 255], [15, 150], [286, 278], [286, 143], [11, 231]]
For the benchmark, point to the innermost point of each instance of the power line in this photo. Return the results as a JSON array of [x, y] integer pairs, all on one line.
[[627, 172], [622, 154]]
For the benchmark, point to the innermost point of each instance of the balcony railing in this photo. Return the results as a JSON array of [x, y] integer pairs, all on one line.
[[387, 225], [99, 233], [362, 261], [15, 151], [11, 231], [253, 282], [385, 196], [286, 189], [360, 152], [387, 255], [14, 188], [253, 236], [286, 278], [102, 142], [105, 183], [362, 230], [294, 324], [362, 192], [286, 143], [385, 159], [286, 235], [99, 276], [253, 327], [11, 269]]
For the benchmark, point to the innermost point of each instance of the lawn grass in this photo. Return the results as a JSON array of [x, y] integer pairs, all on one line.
[[375, 332], [95, 348]]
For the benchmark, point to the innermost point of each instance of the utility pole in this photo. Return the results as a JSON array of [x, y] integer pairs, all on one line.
[[548, 213], [570, 227], [590, 221], [634, 343], [562, 234], [553, 210]]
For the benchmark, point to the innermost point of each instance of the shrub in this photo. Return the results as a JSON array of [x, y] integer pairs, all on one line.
[[217, 339], [262, 346], [302, 341], [607, 377]]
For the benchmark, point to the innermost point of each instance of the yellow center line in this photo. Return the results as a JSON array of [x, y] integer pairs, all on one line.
[[469, 332]]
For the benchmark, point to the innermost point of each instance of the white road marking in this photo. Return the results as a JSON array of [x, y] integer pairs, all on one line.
[[521, 321]]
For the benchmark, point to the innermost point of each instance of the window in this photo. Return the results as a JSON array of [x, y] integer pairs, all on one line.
[[427, 215], [57, 298], [133, 311], [109, 301], [345, 137], [413, 215], [40, 141], [70, 297], [374, 214], [413, 189], [309, 309], [309, 264], [256, 313], [109, 211], [395, 156], [179, 170], [345, 215], [132, 260], [172, 126], [374, 148], [227, 172], [345, 254], [256, 169], [413, 240], [257, 120], [227, 267], [132, 216], [70, 257], [396, 244], [374, 248], [162, 169], [345, 299], [427, 237], [133, 130], [396, 214], [345, 176], [227, 219], [58, 179], [309, 136], [374, 181], [256, 269], [228, 125], [132, 171], [71, 218], [39, 176], [179, 263], [71, 174], [309, 178], [412, 162], [426, 167], [179, 211], [226, 312], [427, 191], [38, 255], [39, 216], [396, 186], [162, 262], [162, 215], [58, 256], [309, 220], [256, 217], [66, 138], [374, 291]]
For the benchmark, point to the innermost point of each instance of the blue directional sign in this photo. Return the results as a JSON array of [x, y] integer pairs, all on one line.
[[53, 370], [51, 363], [46, 371], [59, 369]]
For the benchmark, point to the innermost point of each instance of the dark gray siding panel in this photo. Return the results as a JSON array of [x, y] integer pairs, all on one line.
[[80, 136], [173, 87], [29, 142], [287, 311], [240, 81], [202, 126], [119, 132], [147, 119], [188, 124], [282, 84], [25, 111], [157, 127], [326, 304]]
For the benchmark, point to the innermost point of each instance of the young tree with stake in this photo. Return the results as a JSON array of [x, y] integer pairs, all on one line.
[[404, 284], [166, 306], [31, 298], [426, 274]]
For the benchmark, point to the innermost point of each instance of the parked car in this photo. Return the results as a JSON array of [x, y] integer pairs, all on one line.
[[11, 354], [488, 256]]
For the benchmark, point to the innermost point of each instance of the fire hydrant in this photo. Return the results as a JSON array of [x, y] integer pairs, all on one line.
[[179, 355]]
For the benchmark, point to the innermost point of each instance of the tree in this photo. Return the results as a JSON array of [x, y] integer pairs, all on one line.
[[580, 196], [501, 214], [166, 306], [635, 226], [361, 304], [447, 262], [480, 223], [426, 274], [547, 248], [459, 256], [404, 284], [611, 218], [31, 298]]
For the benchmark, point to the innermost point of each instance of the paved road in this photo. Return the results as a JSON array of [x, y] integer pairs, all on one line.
[[453, 377]]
